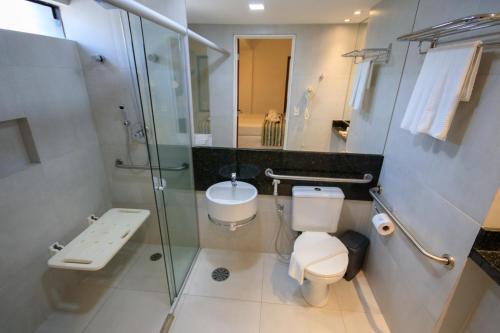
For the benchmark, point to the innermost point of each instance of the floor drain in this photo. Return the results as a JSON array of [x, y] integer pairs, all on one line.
[[155, 256], [220, 274]]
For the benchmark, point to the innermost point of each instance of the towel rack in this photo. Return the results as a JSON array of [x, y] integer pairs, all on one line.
[[445, 259], [453, 27], [379, 55], [121, 165], [367, 178]]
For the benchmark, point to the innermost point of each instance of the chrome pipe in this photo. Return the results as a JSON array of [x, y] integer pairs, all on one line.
[[208, 43], [367, 178], [147, 13], [121, 165], [139, 9], [445, 259]]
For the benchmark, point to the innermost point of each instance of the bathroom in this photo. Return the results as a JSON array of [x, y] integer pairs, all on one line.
[[128, 204]]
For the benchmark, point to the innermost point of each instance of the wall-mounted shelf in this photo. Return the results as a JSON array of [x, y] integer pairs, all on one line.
[[457, 26], [378, 55]]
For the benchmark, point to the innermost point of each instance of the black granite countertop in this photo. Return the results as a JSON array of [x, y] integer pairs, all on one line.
[[486, 253], [212, 165]]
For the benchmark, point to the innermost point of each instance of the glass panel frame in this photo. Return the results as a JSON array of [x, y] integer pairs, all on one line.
[[161, 64]]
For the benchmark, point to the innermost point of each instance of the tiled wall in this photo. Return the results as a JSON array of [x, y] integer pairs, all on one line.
[[212, 165], [260, 235], [99, 31], [474, 305], [440, 190], [41, 79], [485, 317]]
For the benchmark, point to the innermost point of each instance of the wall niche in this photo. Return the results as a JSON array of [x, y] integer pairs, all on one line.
[[17, 147]]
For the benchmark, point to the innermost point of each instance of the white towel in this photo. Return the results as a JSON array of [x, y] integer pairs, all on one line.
[[446, 78], [273, 116], [311, 248], [361, 83]]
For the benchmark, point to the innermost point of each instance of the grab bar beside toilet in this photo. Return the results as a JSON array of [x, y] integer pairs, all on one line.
[[444, 259], [367, 178]]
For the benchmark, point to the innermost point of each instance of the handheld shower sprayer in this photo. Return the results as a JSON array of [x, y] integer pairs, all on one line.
[[283, 228]]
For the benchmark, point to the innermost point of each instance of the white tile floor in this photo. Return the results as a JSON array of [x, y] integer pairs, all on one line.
[[260, 297], [129, 295]]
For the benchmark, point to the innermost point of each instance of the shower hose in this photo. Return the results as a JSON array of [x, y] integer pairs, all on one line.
[[283, 228]]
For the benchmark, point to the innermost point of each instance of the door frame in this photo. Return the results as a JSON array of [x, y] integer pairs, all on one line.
[[236, 79]]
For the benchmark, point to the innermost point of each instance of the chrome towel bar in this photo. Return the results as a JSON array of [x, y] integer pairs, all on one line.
[[121, 165], [457, 26], [445, 259], [367, 178]]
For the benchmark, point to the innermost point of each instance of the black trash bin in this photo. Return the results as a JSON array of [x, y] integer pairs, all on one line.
[[357, 244]]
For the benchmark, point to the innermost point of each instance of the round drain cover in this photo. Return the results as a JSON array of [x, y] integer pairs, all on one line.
[[155, 256], [220, 274]]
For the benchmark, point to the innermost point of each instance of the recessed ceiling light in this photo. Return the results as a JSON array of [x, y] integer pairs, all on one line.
[[256, 6], [358, 12], [347, 20]]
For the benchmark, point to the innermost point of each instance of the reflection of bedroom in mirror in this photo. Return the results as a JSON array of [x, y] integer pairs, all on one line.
[[343, 81], [262, 76], [200, 93]]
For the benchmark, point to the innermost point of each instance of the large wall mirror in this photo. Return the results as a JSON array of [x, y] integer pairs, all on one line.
[[316, 79]]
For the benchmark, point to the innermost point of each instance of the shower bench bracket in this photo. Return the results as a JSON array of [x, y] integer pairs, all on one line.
[[94, 247]]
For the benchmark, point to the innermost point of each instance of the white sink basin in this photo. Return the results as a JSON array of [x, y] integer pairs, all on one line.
[[232, 206]]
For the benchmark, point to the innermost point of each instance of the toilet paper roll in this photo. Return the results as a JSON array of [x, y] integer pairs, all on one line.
[[383, 224]]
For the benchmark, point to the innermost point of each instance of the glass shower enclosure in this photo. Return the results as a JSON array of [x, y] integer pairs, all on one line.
[[159, 61]]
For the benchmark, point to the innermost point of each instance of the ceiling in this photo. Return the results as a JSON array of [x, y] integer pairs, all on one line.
[[277, 11]]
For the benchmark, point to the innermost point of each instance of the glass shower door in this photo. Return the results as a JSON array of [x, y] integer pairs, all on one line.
[[160, 62]]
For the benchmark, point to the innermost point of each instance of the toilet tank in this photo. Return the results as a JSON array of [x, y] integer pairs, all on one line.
[[316, 208]]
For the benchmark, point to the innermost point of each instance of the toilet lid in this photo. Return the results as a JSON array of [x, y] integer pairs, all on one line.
[[330, 267]]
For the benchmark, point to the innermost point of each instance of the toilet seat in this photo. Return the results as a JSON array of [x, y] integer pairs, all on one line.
[[333, 267]]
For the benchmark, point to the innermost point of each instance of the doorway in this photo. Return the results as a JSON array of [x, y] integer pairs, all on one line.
[[263, 80]]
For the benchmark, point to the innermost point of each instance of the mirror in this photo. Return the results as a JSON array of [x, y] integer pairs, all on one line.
[[262, 81], [322, 78]]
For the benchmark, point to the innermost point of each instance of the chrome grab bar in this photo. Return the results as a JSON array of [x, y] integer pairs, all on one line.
[[367, 178], [121, 165], [445, 259]]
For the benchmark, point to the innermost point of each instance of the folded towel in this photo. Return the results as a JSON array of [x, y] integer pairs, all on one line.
[[312, 248], [361, 83], [273, 116], [446, 78]]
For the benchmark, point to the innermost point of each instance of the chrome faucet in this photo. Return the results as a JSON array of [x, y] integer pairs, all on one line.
[[233, 179]]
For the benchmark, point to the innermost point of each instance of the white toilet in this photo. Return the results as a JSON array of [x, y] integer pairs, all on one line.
[[316, 212]]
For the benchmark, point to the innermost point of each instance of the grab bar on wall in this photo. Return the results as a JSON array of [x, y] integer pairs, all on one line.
[[367, 178], [445, 259], [121, 165]]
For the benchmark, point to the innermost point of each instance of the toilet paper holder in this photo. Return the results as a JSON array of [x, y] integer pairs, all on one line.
[[445, 259]]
